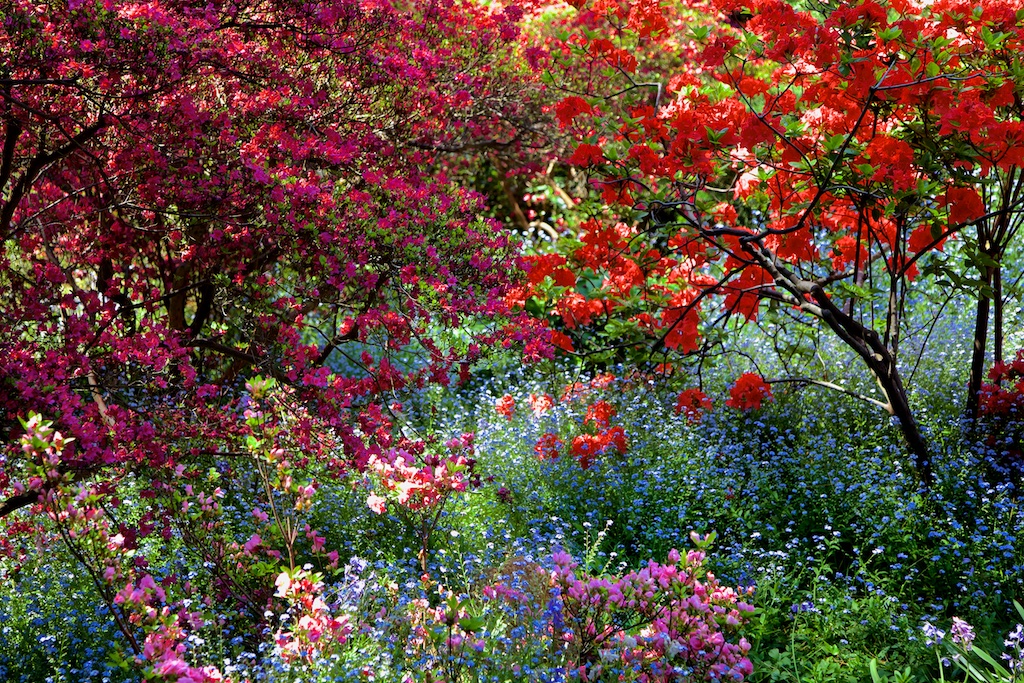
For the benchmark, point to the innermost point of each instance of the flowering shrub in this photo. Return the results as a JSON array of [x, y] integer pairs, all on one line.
[[197, 195], [425, 485], [154, 629], [1001, 406], [1005, 393], [598, 436], [420, 481], [671, 622], [310, 627], [663, 622]]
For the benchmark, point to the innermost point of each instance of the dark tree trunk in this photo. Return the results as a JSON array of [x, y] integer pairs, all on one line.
[[979, 346], [882, 363], [892, 385], [866, 342], [997, 303]]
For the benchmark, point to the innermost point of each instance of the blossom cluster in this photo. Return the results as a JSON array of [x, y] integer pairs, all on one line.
[[1001, 408], [1005, 393], [749, 392], [309, 627], [663, 622], [670, 622], [597, 434], [422, 485]]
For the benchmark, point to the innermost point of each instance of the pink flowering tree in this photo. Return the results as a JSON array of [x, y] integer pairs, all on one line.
[[221, 222]]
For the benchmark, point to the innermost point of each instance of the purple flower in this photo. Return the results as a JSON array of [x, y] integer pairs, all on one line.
[[962, 633], [554, 611], [932, 634], [1015, 639], [806, 606]]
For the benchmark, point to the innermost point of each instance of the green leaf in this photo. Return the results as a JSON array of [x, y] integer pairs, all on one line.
[[988, 659], [471, 624], [834, 142], [891, 33], [117, 660]]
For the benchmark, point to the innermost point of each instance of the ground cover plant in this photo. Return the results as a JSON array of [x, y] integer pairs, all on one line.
[[457, 341], [843, 565]]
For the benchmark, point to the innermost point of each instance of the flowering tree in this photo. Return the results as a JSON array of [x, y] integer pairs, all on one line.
[[204, 208], [761, 160]]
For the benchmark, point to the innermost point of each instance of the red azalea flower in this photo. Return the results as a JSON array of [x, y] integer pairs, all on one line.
[[600, 413], [548, 447], [748, 392], [506, 406], [692, 403]]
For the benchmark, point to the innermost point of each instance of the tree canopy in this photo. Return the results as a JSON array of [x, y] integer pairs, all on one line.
[[800, 164]]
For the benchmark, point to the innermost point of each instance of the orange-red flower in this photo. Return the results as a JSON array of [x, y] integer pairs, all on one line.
[[586, 447], [692, 403], [600, 413], [749, 391], [506, 406], [548, 447]]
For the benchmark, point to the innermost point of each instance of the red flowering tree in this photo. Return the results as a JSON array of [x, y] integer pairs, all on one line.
[[198, 196], [757, 161]]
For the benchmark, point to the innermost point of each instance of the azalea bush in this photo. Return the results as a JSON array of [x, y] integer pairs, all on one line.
[[1002, 410], [556, 620], [230, 233], [809, 169]]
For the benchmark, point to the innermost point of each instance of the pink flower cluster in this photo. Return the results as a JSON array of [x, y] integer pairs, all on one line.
[[311, 627], [422, 486], [667, 622], [163, 650]]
